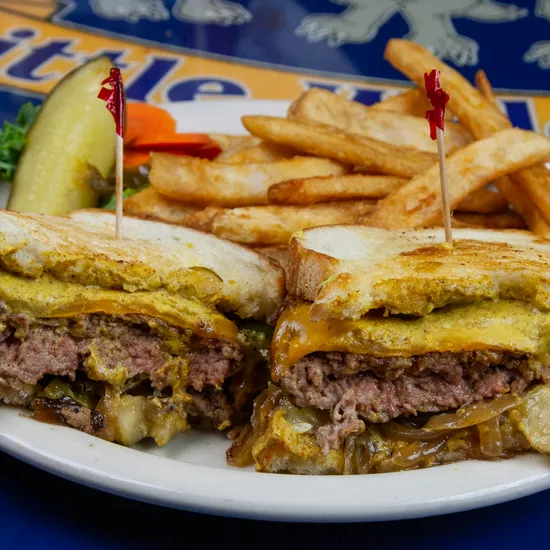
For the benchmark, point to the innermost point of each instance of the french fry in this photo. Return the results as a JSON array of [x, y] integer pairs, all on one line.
[[230, 144], [485, 87], [419, 202], [522, 202], [318, 105], [362, 186], [475, 112], [504, 220], [533, 217], [329, 142], [204, 182], [333, 188], [273, 225], [262, 152], [483, 201], [150, 204], [535, 183], [507, 220], [411, 102], [248, 149]]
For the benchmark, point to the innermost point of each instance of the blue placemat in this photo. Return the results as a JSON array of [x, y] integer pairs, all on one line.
[[41, 511], [175, 50]]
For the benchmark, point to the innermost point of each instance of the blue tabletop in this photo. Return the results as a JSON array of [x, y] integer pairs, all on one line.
[[172, 50], [40, 511]]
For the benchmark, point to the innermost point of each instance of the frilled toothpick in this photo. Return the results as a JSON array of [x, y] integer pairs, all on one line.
[[438, 99], [114, 98]]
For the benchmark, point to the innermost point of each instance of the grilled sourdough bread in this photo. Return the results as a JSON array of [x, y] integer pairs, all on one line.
[[347, 271], [135, 337]]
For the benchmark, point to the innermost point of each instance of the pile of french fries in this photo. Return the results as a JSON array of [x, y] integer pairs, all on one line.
[[336, 161]]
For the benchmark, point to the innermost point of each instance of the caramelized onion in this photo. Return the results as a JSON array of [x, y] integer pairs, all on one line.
[[349, 455], [364, 450], [240, 453], [357, 454], [490, 438], [473, 414], [107, 406], [262, 410], [415, 454], [302, 420], [400, 432]]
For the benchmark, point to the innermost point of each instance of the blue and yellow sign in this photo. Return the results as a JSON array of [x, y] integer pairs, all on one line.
[[179, 50]]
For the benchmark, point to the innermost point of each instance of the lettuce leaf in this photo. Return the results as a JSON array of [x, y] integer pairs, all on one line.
[[12, 139], [127, 193]]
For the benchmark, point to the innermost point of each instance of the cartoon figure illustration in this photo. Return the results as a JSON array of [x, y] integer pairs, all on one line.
[[130, 10], [430, 23], [540, 51], [220, 12]]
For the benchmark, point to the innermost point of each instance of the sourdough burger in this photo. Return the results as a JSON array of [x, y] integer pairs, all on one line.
[[143, 336], [394, 351]]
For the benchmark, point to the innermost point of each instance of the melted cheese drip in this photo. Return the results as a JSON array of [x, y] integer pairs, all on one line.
[[504, 325], [49, 297]]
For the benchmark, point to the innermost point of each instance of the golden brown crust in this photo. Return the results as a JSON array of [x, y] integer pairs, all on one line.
[[204, 182], [478, 113], [348, 270], [279, 253], [306, 269], [275, 224], [149, 204], [321, 106], [329, 142], [419, 202], [250, 284]]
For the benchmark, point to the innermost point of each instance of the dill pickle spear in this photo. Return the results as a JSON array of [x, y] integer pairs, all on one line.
[[72, 131]]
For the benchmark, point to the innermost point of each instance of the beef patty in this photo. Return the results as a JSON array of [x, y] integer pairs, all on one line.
[[31, 349], [376, 389]]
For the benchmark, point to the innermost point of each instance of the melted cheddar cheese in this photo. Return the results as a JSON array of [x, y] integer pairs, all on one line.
[[506, 325], [49, 297]]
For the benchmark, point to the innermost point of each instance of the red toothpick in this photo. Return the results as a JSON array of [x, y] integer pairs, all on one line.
[[114, 98], [438, 98]]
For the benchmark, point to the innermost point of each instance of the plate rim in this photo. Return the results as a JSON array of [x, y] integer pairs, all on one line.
[[52, 455], [74, 455]]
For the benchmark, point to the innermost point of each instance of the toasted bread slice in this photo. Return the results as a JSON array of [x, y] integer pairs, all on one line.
[[278, 252], [82, 248], [252, 284], [347, 271]]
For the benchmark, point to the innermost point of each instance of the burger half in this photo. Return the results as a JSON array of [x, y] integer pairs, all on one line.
[[394, 351], [143, 336]]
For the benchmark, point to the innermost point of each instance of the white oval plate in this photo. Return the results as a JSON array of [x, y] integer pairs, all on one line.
[[190, 473]]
